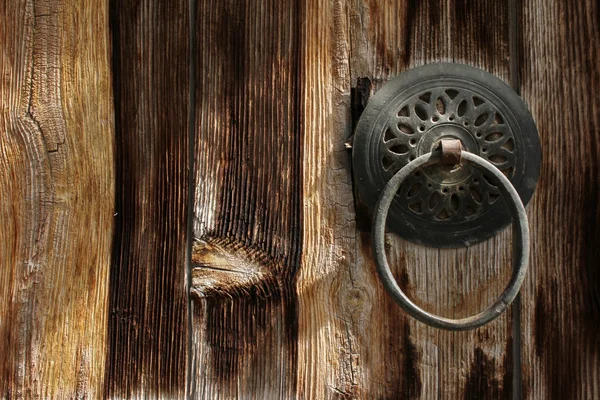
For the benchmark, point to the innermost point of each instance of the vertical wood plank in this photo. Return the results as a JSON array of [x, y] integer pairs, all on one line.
[[57, 197], [560, 75], [333, 296], [148, 298], [247, 220], [401, 355]]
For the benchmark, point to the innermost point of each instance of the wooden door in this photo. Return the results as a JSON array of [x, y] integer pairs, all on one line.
[[179, 219]]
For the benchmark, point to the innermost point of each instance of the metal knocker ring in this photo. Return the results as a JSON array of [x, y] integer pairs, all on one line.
[[520, 242]]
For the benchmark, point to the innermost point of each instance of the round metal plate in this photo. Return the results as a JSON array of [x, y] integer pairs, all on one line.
[[441, 205]]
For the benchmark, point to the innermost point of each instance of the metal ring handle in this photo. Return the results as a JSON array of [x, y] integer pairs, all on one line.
[[520, 245]]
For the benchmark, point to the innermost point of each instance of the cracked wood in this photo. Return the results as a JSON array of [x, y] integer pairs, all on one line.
[[57, 185]]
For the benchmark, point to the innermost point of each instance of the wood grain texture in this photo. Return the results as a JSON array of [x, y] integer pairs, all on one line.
[[57, 197], [333, 296], [560, 74], [147, 356], [247, 221], [351, 340], [400, 356]]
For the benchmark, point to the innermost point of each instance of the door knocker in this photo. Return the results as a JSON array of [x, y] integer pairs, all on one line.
[[448, 155]]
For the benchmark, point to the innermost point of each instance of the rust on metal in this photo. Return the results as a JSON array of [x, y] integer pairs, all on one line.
[[451, 151]]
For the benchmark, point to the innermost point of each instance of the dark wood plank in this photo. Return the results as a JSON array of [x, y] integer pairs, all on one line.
[[400, 356], [560, 75], [147, 356], [247, 212], [56, 197]]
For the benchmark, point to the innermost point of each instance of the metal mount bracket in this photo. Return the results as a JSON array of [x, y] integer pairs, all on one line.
[[445, 204]]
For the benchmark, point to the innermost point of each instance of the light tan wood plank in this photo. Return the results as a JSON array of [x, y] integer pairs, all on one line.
[[57, 201]]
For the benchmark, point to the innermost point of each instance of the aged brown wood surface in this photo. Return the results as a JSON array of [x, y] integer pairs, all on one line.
[[148, 299], [352, 341], [560, 75], [284, 301], [330, 287], [402, 355], [247, 212], [57, 197]]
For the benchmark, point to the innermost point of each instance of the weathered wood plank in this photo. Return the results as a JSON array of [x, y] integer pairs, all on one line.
[[399, 355], [332, 294], [148, 297], [57, 197], [351, 339], [560, 75], [247, 200]]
